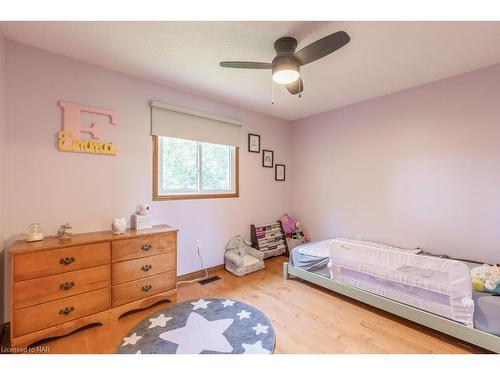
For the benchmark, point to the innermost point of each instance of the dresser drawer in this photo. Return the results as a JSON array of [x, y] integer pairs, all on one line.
[[136, 290], [143, 246], [51, 262], [49, 288], [143, 267], [35, 318]]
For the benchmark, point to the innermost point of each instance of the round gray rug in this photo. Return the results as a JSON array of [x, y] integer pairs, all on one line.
[[206, 326]]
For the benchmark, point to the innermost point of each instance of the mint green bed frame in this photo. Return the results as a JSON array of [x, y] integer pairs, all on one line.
[[471, 335]]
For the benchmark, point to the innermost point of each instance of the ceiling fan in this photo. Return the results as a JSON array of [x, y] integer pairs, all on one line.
[[286, 65]]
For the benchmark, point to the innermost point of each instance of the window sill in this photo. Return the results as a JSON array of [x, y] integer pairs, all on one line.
[[193, 196]]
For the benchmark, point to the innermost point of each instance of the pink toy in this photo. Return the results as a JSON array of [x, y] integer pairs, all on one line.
[[288, 224]]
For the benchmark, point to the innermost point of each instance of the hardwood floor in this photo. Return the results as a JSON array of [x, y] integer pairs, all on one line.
[[306, 318]]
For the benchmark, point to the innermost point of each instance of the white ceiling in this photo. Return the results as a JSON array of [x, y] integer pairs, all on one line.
[[382, 57]]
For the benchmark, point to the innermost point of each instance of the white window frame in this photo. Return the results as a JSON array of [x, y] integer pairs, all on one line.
[[164, 194]]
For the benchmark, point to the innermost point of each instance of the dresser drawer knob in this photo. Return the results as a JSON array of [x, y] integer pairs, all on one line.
[[67, 261], [146, 247], [66, 310], [146, 288], [146, 267], [67, 285]]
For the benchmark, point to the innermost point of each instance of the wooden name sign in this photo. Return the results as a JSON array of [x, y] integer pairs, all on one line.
[[69, 138]]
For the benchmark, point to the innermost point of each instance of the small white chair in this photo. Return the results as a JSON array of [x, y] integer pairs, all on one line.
[[241, 258]]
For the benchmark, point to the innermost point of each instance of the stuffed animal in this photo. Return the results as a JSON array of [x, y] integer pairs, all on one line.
[[298, 227], [288, 224], [119, 225], [64, 231], [486, 278]]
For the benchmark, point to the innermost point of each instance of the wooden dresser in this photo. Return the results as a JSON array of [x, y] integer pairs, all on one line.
[[60, 285]]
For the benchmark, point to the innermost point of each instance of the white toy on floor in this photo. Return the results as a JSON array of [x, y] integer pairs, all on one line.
[[241, 258]]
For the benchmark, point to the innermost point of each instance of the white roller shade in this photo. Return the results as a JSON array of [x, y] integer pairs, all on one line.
[[176, 122]]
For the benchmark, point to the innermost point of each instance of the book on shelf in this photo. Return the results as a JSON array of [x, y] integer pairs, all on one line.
[[274, 248], [271, 237]]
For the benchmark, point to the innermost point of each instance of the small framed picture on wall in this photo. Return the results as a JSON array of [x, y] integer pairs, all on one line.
[[279, 172], [267, 158], [253, 143]]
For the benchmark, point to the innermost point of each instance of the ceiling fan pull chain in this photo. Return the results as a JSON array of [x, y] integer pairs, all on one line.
[[272, 92], [300, 88]]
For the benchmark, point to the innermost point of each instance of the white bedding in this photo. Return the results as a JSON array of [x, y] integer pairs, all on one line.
[[320, 249]]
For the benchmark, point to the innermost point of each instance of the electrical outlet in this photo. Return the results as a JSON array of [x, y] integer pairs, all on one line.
[[198, 244]]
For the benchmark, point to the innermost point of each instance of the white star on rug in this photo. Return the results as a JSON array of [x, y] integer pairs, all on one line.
[[159, 321], [200, 334], [259, 328], [200, 304], [132, 339], [227, 303], [244, 314], [255, 348]]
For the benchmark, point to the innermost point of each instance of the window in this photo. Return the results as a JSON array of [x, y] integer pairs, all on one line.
[[196, 154], [187, 169]]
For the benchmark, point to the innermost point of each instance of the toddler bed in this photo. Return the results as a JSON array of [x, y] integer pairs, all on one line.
[[430, 290]]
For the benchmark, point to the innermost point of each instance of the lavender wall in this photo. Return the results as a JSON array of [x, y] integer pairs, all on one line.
[[50, 187], [417, 168]]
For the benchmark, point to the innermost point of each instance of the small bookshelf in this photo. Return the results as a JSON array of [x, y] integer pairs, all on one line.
[[269, 238]]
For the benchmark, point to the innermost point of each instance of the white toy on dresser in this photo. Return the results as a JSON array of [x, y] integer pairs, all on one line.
[[119, 225], [141, 218]]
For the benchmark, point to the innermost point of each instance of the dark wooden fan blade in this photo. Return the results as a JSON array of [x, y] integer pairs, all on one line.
[[322, 47], [245, 65], [295, 87]]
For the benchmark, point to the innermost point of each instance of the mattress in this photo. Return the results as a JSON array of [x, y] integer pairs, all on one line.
[[314, 257]]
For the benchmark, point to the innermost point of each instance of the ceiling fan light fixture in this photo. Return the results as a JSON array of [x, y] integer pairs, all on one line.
[[285, 70], [285, 76]]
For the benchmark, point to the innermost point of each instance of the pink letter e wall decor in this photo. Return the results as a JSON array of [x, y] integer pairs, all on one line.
[[69, 137]]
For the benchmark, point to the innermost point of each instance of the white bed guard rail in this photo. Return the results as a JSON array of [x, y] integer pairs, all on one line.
[[440, 286]]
